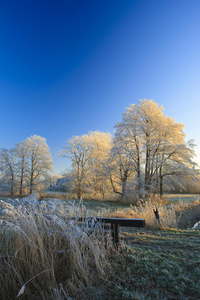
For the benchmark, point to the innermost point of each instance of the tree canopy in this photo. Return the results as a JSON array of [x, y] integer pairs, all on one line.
[[27, 165], [148, 153]]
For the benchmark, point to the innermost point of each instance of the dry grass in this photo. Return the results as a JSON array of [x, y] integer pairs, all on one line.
[[43, 257], [181, 205], [167, 212], [167, 215], [57, 195], [46, 255]]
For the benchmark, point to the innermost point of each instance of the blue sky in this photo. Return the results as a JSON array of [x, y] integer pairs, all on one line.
[[69, 67]]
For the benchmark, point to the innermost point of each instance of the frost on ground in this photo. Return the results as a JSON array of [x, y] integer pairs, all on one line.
[[171, 216], [57, 213], [196, 225], [57, 207], [41, 246]]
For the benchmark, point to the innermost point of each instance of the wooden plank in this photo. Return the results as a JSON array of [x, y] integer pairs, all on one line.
[[116, 240], [115, 223], [124, 222]]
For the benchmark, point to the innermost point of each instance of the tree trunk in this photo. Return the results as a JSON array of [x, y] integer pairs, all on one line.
[[12, 186], [124, 182], [31, 187], [113, 187], [138, 172], [79, 190], [161, 183], [146, 171], [31, 180], [123, 188], [22, 177]]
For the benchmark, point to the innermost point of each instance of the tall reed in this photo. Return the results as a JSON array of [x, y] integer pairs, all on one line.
[[43, 256]]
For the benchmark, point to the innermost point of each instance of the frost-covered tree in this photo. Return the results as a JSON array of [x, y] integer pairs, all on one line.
[[99, 144], [27, 165], [77, 149], [126, 154], [156, 145], [178, 167], [7, 168], [88, 153], [38, 161], [120, 169], [21, 163]]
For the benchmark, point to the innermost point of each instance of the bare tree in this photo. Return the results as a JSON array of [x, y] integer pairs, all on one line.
[[126, 149], [7, 167], [87, 153], [21, 164], [156, 145], [39, 161], [77, 150]]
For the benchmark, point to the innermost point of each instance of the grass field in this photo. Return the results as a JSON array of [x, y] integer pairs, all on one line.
[[44, 257], [96, 207], [157, 264]]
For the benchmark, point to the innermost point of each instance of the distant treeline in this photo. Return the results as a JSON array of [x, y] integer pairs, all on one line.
[[148, 154]]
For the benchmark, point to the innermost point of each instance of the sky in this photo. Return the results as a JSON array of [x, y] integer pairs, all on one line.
[[73, 66]]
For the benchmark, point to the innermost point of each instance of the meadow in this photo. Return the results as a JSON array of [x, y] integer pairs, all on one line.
[[45, 254], [175, 210]]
